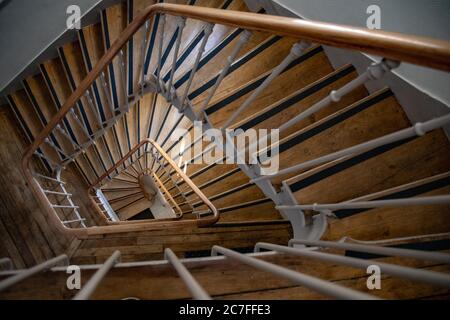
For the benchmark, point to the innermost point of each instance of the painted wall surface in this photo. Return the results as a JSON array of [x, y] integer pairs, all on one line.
[[27, 27], [430, 18]]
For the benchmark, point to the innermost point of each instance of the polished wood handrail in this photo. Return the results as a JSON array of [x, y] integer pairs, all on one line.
[[124, 226]]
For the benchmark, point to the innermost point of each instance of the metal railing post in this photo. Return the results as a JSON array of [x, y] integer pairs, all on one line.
[[23, 274], [193, 286], [324, 287], [89, 288]]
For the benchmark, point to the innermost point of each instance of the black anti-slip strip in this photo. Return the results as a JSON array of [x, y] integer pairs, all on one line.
[[149, 130], [232, 224], [127, 133], [138, 124], [415, 191], [211, 182], [112, 76], [212, 54], [168, 49], [73, 86], [20, 118], [27, 130], [39, 113], [152, 41], [129, 204], [436, 245], [130, 50], [346, 164], [209, 56], [252, 86], [245, 205], [207, 253], [296, 98], [227, 193], [173, 145], [185, 54], [173, 129], [57, 102], [89, 68], [236, 65], [119, 147], [334, 121], [163, 122], [34, 102], [199, 172], [192, 45]]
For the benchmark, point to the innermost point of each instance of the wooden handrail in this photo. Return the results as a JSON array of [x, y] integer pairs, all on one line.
[[171, 163], [124, 226]]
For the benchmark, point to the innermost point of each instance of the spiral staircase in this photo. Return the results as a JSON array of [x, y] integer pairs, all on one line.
[[112, 186]]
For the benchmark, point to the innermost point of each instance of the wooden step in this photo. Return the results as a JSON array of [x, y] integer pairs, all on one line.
[[109, 148], [115, 195], [128, 201], [133, 208], [194, 34], [308, 68], [58, 88], [30, 122], [281, 111], [187, 239], [191, 30], [375, 170], [398, 222], [370, 118]]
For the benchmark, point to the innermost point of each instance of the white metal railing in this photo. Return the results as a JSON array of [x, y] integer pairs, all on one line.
[[8, 282], [6, 264], [429, 277], [418, 129], [319, 285], [92, 284], [66, 196], [380, 250], [194, 288], [108, 210], [316, 284], [431, 200]]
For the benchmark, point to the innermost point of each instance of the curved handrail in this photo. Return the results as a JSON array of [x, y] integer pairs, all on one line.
[[166, 157], [126, 226], [180, 172]]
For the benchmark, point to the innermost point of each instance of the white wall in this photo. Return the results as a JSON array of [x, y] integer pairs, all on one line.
[[27, 27], [429, 18]]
